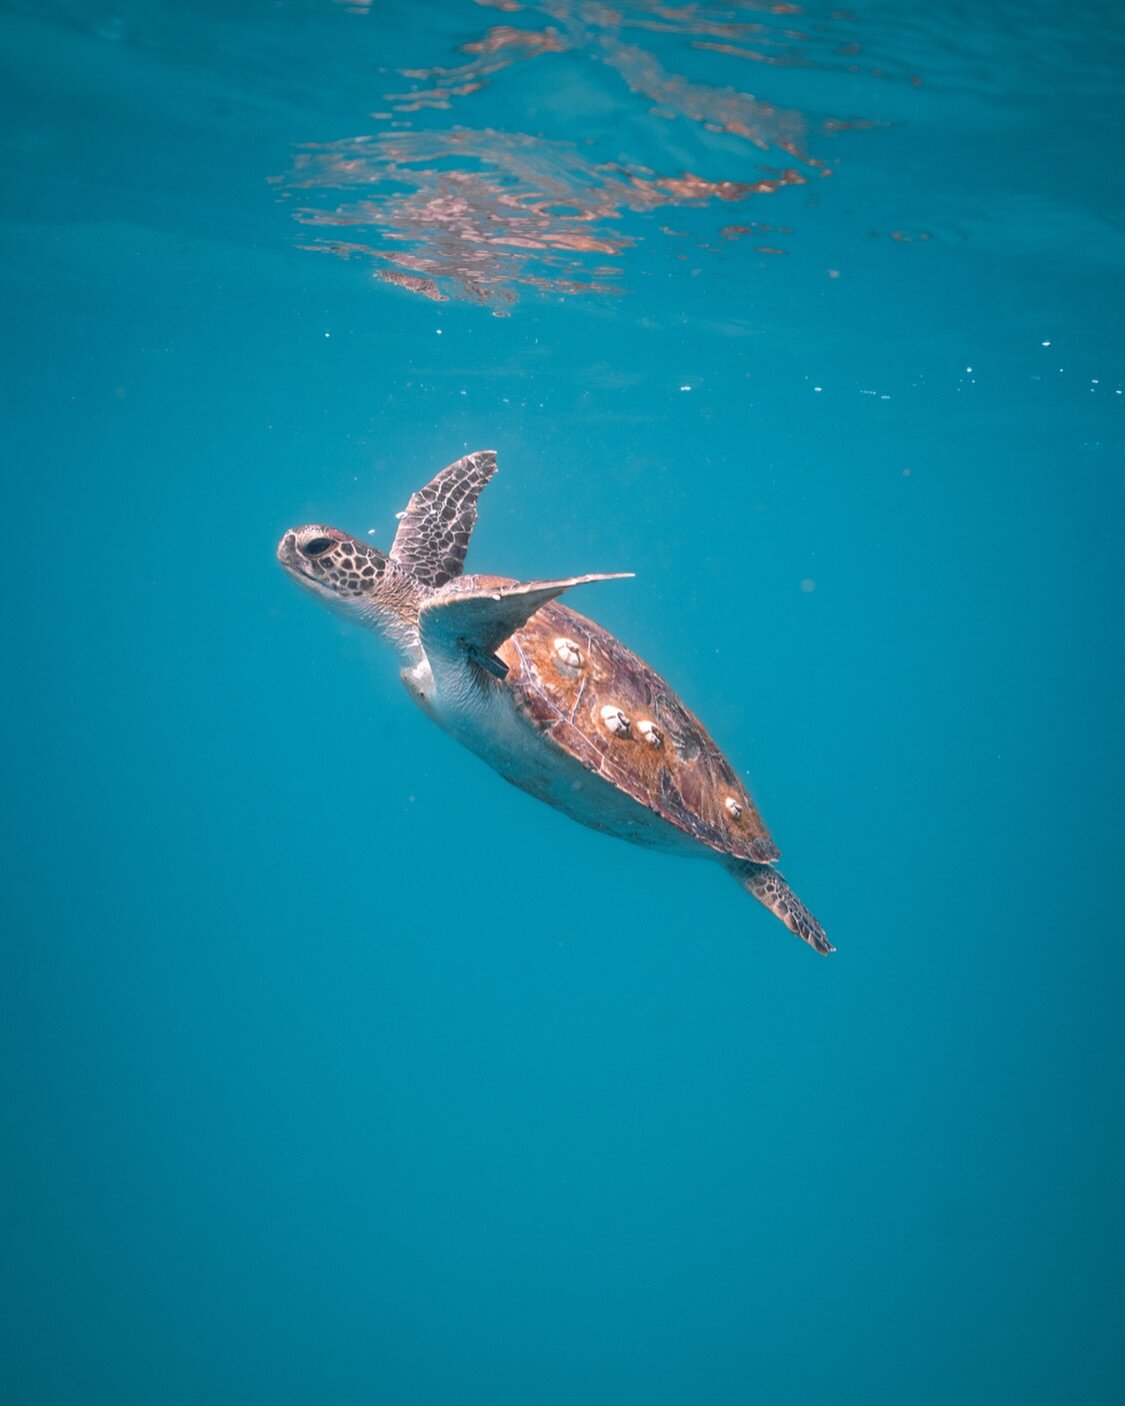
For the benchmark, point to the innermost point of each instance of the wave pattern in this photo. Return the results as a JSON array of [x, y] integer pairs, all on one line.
[[460, 211]]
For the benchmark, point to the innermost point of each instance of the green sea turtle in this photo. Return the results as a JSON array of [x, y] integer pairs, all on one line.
[[548, 698]]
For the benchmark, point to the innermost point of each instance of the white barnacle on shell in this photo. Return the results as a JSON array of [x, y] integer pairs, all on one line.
[[733, 806], [650, 732], [568, 653], [615, 720]]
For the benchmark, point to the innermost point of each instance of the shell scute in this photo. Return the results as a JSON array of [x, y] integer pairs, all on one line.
[[686, 779]]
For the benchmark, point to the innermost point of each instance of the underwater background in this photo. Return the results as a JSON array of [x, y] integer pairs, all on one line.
[[336, 1070]]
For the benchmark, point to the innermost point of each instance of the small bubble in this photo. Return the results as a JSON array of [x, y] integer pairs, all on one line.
[[808, 585]]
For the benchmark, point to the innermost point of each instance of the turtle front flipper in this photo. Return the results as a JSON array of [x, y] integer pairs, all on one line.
[[433, 533], [769, 888], [465, 623]]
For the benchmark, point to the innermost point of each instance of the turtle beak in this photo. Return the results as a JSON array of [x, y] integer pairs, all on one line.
[[296, 565], [300, 545]]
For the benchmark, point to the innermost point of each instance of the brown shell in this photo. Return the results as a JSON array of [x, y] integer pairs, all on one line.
[[686, 779]]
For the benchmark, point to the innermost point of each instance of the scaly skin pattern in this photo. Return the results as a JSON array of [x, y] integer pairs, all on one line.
[[770, 888], [433, 533]]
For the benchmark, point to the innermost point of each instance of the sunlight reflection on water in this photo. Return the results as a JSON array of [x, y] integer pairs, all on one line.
[[477, 212]]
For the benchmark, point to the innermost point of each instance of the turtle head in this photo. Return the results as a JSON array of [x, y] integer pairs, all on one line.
[[331, 564], [351, 577]]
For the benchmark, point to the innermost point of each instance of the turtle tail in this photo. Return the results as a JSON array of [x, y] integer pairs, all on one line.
[[769, 888]]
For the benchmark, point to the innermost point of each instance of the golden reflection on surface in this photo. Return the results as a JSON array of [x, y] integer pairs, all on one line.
[[501, 47], [478, 213], [718, 109]]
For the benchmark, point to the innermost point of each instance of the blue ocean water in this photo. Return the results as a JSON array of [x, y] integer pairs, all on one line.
[[334, 1069]]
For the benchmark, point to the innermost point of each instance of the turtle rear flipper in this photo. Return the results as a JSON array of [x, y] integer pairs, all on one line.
[[770, 889]]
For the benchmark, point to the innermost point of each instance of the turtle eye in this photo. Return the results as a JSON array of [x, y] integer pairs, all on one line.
[[317, 546]]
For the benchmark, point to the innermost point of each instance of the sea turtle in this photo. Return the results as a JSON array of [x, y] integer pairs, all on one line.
[[548, 698]]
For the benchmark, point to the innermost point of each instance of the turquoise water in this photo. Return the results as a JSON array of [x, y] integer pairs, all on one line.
[[334, 1069]]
